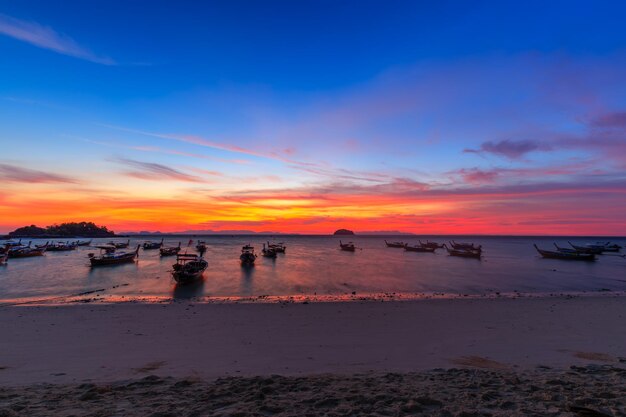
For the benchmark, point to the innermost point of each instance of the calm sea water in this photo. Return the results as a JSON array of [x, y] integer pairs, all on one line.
[[315, 265]]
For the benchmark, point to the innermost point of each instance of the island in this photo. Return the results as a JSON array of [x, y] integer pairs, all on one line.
[[343, 232], [80, 229]]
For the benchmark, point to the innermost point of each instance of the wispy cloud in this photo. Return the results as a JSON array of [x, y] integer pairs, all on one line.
[[512, 149], [12, 173], [610, 120], [154, 171], [47, 38]]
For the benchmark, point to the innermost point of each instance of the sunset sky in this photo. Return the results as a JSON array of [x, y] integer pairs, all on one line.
[[309, 116]]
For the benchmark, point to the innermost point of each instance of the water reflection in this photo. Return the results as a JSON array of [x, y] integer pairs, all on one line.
[[247, 274], [189, 290]]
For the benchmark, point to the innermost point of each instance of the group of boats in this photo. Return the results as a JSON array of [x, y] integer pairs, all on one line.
[[587, 252], [464, 250]]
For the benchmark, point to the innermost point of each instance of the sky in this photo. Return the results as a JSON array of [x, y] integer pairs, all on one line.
[[464, 117]]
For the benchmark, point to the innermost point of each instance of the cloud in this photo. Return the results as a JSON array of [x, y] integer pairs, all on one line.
[[12, 173], [154, 171], [46, 38], [512, 149], [608, 120]]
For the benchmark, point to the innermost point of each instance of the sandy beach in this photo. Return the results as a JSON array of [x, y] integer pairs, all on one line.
[[328, 344]]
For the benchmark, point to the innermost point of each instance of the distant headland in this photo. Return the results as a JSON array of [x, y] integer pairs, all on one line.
[[342, 232], [81, 229]]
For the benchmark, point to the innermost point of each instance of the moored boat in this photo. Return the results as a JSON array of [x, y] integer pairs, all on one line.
[[348, 247], [588, 249], [277, 247], [476, 253], [60, 247], [418, 248], [568, 256], [153, 245], [169, 251], [83, 242], [268, 252], [464, 246], [12, 243], [112, 257], [188, 268], [201, 246], [25, 251], [247, 256], [395, 244], [120, 245], [430, 244]]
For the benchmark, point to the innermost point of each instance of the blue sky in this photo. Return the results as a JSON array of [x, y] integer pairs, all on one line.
[[295, 97]]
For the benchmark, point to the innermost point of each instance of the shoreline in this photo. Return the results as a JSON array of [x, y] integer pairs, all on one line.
[[99, 342], [97, 297]]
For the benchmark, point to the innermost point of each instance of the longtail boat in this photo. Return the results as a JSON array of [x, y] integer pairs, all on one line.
[[188, 268], [201, 246], [429, 244], [277, 247], [153, 245], [25, 252], [419, 248], [568, 256], [120, 245], [268, 252], [464, 246], [12, 243], [465, 253], [83, 242], [348, 247], [60, 247], [247, 256], [593, 250], [169, 251], [608, 247], [565, 250], [395, 244], [113, 257]]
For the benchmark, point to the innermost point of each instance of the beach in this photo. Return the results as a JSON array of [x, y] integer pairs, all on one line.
[[212, 345]]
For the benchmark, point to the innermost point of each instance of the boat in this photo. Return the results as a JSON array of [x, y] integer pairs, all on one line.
[[419, 248], [429, 244], [348, 247], [153, 245], [247, 256], [83, 242], [395, 244], [565, 250], [60, 247], [593, 250], [464, 246], [25, 251], [569, 256], [465, 253], [169, 251], [108, 257], [12, 243], [277, 247], [201, 246], [188, 268], [268, 252], [120, 245], [608, 247]]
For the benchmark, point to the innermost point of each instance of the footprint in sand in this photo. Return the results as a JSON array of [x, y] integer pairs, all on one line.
[[149, 367], [478, 362]]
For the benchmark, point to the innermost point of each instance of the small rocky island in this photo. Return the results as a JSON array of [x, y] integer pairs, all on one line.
[[343, 232]]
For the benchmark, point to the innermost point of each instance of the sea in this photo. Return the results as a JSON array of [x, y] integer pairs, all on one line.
[[314, 267]]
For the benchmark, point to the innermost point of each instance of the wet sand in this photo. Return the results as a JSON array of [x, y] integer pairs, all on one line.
[[321, 350]]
